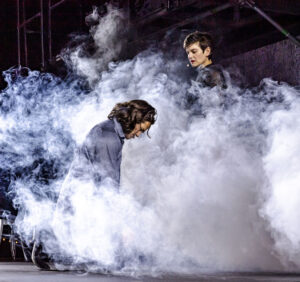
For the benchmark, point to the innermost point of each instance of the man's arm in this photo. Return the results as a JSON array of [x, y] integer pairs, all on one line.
[[104, 154]]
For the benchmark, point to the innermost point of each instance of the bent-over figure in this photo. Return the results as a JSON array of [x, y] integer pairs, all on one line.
[[97, 162]]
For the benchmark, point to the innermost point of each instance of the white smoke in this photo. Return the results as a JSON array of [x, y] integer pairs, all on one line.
[[282, 165], [108, 40], [206, 193]]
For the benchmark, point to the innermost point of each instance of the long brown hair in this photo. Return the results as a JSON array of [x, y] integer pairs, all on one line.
[[128, 114]]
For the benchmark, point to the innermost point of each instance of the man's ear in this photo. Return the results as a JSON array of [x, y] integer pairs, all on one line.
[[207, 51]]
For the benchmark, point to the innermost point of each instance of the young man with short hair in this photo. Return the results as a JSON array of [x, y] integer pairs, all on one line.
[[199, 49]]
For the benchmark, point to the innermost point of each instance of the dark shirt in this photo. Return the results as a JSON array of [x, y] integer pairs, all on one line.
[[211, 76], [99, 158]]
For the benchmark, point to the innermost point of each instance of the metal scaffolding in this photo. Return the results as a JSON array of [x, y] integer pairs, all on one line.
[[45, 10]]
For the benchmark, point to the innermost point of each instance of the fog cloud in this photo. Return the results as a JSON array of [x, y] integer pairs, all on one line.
[[212, 192]]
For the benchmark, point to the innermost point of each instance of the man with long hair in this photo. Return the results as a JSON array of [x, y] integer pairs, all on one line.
[[99, 158], [97, 161]]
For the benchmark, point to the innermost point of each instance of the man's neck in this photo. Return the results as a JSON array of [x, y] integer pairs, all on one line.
[[206, 63]]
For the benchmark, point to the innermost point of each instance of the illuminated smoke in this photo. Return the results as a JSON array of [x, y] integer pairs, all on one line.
[[282, 166], [108, 42], [206, 193]]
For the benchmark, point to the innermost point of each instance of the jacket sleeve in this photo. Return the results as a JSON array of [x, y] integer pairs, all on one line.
[[103, 153]]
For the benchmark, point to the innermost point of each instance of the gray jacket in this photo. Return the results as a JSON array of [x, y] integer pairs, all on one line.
[[99, 158]]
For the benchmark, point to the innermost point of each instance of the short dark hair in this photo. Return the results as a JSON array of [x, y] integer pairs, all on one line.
[[205, 40], [128, 114]]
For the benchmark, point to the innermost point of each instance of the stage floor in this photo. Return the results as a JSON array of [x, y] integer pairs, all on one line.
[[25, 272]]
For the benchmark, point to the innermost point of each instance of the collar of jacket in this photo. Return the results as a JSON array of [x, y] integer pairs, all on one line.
[[118, 129]]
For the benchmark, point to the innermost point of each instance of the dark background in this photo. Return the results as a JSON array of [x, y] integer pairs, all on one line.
[[237, 29], [243, 39]]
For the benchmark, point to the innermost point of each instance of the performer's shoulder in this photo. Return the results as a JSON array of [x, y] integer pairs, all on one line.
[[107, 125], [102, 128]]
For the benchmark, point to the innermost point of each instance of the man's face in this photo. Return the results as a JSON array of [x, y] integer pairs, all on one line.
[[196, 56], [138, 130]]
